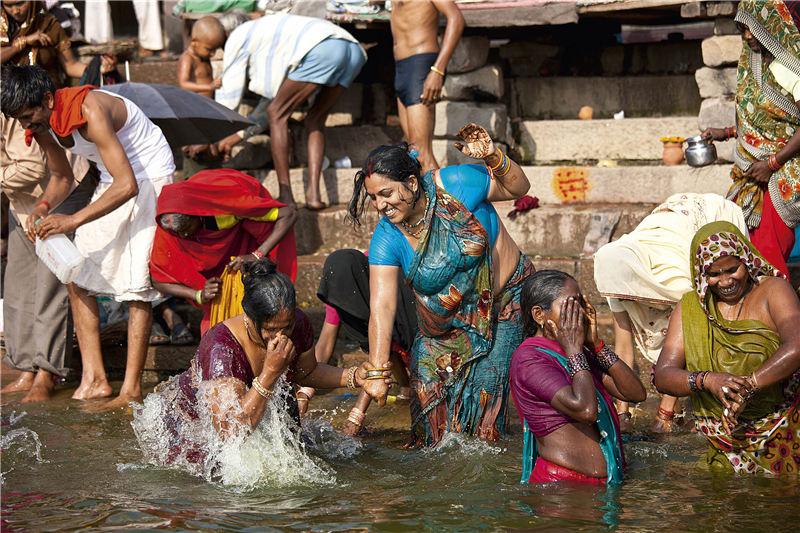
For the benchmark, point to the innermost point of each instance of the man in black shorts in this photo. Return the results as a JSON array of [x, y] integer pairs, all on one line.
[[421, 66]]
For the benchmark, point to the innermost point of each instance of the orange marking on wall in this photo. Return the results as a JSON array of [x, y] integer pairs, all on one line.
[[571, 184]]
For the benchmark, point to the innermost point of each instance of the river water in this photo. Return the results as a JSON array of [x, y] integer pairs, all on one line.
[[66, 469]]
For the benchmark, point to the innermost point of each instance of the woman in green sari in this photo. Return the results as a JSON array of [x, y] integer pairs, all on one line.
[[733, 345], [766, 169]]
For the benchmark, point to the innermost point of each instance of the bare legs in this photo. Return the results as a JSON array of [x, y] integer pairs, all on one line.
[[417, 122], [94, 381], [315, 126], [290, 95]]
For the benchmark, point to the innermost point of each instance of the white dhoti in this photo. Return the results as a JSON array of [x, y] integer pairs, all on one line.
[[117, 246], [149, 17]]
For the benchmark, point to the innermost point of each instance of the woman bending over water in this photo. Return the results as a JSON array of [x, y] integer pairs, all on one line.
[[562, 380], [442, 232], [238, 367], [733, 345]]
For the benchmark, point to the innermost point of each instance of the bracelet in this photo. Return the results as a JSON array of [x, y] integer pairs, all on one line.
[[772, 163], [351, 377], [198, 297], [499, 161], [374, 373], [703, 379], [260, 388], [45, 203], [576, 363], [607, 358], [356, 416], [693, 381], [437, 71], [505, 168], [663, 414], [308, 391], [20, 42], [730, 132], [258, 254]]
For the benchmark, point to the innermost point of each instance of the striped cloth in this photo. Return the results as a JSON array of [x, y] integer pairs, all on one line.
[[266, 50]]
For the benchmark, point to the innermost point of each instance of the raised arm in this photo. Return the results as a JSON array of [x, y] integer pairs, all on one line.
[[509, 182]]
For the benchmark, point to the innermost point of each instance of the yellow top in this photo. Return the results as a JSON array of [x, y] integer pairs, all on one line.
[[229, 221], [786, 79]]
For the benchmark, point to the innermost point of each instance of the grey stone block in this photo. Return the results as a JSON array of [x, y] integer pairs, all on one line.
[[552, 98], [717, 113], [451, 116], [348, 108], [484, 82], [716, 82], [722, 50], [725, 26], [470, 54], [632, 139]]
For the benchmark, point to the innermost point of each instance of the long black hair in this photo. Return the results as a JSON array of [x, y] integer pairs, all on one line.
[[23, 87], [390, 160], [540, 289], [266, 291]]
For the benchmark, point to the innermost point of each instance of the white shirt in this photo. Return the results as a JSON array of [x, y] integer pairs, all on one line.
[[266, 50]]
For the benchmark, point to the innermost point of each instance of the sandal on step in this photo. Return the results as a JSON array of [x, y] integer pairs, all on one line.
[[157, 335], [181, 336]]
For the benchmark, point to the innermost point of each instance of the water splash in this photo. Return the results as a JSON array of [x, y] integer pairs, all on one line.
[[323, 439], [458, 443], [271, 454]]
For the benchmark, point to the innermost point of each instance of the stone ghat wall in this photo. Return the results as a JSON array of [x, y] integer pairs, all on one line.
[[508, 85]]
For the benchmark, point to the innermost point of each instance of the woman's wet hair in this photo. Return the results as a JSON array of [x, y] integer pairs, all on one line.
[[179, 220], [391, 160], [267, 292], [540, 289], [23, 87]]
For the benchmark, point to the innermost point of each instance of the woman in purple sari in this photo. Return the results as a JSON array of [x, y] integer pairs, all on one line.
[[240, 364]]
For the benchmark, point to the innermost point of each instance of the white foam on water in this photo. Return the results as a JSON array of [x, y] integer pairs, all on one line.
[[466, 445], [270, 455], [323, 439], [21, 441]]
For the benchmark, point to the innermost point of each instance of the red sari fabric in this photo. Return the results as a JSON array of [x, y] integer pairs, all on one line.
[[192, 261], [546, 472]]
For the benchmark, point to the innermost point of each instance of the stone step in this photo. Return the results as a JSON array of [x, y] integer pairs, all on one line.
[[554, 184], [629, 139], [549, 231]]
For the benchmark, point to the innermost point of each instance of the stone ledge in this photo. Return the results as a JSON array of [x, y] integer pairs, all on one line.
[[620, 184], [630, 139]]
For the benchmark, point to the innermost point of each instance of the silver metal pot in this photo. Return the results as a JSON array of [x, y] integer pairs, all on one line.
[[700, 152]]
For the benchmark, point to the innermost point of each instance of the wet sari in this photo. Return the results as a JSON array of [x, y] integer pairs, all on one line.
[[767, 439], [767, 115], [460, 359]]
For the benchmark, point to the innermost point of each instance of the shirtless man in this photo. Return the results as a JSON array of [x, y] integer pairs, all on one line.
[[115, 231], [194, 66], [420, 66]]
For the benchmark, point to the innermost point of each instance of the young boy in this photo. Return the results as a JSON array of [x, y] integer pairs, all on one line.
[[194, 67]]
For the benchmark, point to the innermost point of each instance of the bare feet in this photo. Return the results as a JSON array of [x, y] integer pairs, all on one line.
[[664, 422], [22, 384], [92, 390], [38, 393], [316, 206], [285, 195], [122, 401], [42, 388], [313, 201]]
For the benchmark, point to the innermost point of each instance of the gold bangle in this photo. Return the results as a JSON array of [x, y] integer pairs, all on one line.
[[437, 71], [260, 388], [198, 297], [351, 377], [20, 42], [500, 160], [356, 416]]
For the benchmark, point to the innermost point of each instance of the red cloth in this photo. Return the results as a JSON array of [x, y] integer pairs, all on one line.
[[67, 115], [192, 261], [546, 472], [773, 238]]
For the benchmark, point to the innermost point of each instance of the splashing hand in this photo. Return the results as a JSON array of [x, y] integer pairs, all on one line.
[[477, 142]]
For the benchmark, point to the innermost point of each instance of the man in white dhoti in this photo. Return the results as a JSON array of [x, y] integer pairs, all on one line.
[[115, 231]]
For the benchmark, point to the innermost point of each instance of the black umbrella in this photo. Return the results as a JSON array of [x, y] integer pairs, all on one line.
[[184, 117]]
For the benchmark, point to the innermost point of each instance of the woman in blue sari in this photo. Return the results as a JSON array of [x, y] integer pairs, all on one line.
[[442, 232]]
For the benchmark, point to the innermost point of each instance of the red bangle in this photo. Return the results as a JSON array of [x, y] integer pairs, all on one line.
[[730, 133], [772, 163], [599, 346], [258, 254], [45, 203]]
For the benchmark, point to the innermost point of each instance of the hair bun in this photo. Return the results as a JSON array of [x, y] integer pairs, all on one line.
[[259, 269]]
